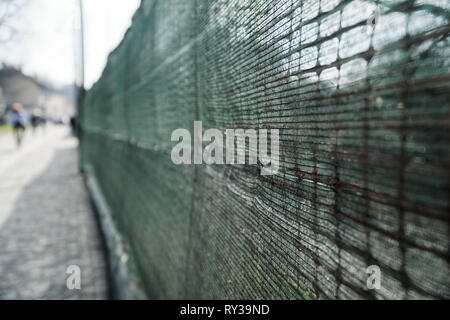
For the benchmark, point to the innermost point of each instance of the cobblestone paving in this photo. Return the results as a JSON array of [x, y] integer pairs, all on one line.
[[46, 223]]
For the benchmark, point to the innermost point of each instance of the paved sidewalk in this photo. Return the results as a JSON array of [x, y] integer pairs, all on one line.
[[46, 223]]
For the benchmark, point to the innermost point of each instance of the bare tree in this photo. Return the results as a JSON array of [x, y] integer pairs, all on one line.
[[9, 11]]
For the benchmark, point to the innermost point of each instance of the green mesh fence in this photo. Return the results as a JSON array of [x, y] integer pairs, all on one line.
[[362, 103]]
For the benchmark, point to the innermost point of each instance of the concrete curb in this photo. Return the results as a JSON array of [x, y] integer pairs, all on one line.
[[125, 280]]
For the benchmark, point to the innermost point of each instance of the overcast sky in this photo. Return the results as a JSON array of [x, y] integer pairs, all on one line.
[[46, 37]]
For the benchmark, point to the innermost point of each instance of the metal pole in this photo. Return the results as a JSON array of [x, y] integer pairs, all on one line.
[[81, 91], [81, 43]]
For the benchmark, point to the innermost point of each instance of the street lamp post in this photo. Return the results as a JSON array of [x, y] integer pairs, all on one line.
[[80, 87]]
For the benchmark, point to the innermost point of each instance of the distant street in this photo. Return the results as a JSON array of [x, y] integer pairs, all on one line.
[[46, 222]]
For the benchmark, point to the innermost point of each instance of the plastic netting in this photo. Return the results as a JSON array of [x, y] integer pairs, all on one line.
[[360, 93]]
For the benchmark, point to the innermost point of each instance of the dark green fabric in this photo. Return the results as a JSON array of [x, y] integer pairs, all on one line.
[[364, 119]]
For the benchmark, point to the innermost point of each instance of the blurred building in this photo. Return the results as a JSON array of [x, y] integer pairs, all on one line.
[[17, 87], [34, 94], [2, 100], [2, 106]]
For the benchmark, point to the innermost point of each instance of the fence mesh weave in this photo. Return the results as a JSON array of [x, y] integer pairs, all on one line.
[[363, 108]]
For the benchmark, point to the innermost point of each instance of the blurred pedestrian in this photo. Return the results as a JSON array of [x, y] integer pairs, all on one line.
[[17, 118], [73, 125], [37, 119]]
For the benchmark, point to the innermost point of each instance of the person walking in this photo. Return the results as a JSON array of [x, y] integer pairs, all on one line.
[[17, 118]]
